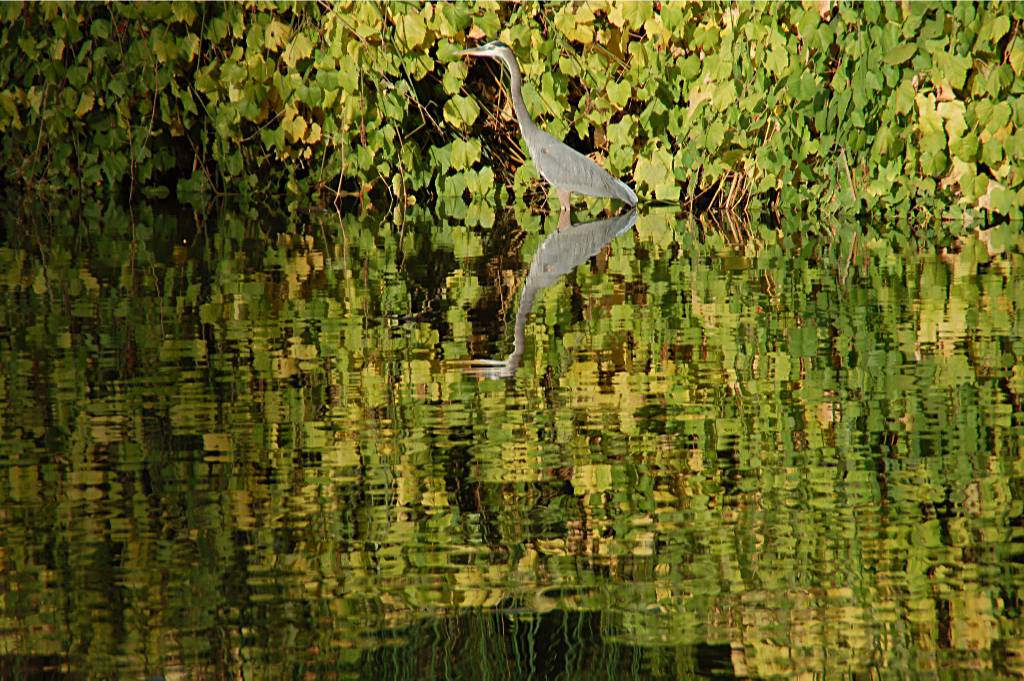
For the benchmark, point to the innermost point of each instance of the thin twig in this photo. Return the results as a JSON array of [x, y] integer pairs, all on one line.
[[849, 259], [341, 177], [849, 175]]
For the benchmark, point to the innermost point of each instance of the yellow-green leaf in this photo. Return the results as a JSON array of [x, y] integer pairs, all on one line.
[[656, 173], [184, 12], [619, 93], [461, 111], [998, 198], [277, 35], [465, 153], [293, 124], [9, 112], [636, 13], [412, 29], [1000, 27], [299, 48], [85, 103], [1017, 55]]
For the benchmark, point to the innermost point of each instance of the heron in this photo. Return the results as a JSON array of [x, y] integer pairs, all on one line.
[[564, 168]]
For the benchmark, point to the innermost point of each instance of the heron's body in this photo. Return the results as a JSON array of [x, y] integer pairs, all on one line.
[[564, 168]]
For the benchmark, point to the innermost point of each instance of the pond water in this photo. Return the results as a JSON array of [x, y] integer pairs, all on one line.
[[233, 448]]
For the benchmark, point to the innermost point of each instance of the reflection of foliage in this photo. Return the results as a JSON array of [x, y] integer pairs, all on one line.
[[807, 109], [248, 450]]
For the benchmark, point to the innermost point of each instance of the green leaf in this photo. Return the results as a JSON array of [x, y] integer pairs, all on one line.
[[992, 152], [714, 136], [9, 107], [804, 87], [489, 23], [619, 93], [1017, 55], [294, 127], [900, 53], [1000, 27], [929, 125], [656, 174], [568, 22], [953, 115], [964, 148], [465, 153], [273, 137], [100, 29], [777, 61], [454, 76], [952, 68], [77, 75], [412, 30], [636, 13], [461, 111], [884, 139], [165, 47], [184, 12], [1000, 116], [85, 103], [157, 192], [998, 198], [457, 15], [619, 133], [311, 95], [904, 97]]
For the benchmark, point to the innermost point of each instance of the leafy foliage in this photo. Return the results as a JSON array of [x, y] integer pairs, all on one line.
[[813, 110]]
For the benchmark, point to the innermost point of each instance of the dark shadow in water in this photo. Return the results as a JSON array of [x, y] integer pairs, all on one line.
[[554, 646], [562, 252], [35, 667]]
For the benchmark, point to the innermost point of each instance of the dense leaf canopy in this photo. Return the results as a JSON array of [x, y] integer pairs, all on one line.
[[912, 110]]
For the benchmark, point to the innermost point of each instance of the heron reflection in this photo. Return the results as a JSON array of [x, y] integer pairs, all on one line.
[[562, 252], [564, 168]]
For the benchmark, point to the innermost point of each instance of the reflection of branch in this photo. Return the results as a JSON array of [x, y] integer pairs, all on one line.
[[341, 177], [42, 119], [42, 256], [849, 259]]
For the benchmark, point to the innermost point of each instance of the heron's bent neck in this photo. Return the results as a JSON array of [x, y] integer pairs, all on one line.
[[516, 86]]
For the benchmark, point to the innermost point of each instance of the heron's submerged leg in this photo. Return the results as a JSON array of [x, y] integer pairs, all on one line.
[[563, 217], [563, 198]]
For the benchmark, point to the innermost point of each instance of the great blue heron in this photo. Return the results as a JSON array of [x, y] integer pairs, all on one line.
[[564, 168]]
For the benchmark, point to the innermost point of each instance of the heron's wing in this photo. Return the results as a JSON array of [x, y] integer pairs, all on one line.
[[566, 249], [568, 169]]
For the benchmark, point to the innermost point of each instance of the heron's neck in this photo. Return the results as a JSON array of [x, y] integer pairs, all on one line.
[[516, 86]]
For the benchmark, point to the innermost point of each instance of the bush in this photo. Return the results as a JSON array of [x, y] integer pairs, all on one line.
[[815, 110]]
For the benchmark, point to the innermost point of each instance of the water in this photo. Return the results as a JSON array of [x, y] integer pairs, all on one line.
[[239, 449]]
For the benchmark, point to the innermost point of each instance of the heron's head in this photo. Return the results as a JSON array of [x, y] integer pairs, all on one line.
[[494, 49]]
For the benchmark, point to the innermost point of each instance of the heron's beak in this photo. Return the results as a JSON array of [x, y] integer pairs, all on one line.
[[473, 52]]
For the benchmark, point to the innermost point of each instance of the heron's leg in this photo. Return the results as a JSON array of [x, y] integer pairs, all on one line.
[[563, 219], [563, 198]]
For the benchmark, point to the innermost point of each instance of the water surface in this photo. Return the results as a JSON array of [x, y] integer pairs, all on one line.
[[232, 448]]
